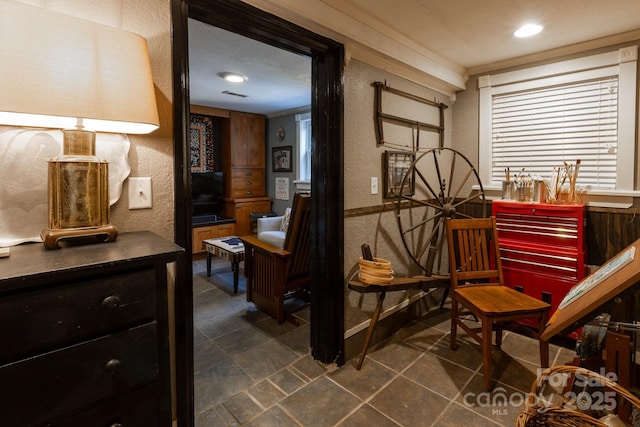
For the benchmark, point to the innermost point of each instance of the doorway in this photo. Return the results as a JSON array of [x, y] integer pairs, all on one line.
[[327, 231]]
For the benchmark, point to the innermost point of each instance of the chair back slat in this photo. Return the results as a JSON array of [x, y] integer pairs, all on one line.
[[298, 240], [475, 240]]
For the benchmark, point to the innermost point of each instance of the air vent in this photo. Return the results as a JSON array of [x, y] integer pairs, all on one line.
[[235, 94]]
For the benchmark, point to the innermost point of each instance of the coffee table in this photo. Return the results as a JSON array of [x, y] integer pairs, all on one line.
[[229, 248]]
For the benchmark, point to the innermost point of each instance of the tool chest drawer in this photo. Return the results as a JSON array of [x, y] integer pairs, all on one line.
[[542, 247]]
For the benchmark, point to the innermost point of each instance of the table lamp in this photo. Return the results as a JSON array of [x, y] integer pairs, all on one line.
[[66, 73]]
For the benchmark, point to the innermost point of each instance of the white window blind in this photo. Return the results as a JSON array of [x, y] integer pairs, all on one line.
[[541, 128], [304, 146]]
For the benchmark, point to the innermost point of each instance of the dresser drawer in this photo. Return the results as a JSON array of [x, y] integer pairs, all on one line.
[[139, 408], [250, 174], [255, 188], [65, 381], [49, 318]]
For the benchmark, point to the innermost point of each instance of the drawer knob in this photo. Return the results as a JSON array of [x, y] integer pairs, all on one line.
[[247, 192], [248, 183], [110, 302], [112, 366], [248, 174], [116, 425]]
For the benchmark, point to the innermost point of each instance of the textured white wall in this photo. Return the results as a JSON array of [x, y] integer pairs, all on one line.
[[363, 159], [150, 155]]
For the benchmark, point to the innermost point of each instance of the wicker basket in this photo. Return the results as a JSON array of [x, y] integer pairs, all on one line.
[[539, 412]]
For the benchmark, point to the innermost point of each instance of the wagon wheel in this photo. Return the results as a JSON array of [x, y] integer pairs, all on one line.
[[438, 185]]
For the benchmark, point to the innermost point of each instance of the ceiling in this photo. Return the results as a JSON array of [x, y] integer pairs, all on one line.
[[277, 80], [438, 43]]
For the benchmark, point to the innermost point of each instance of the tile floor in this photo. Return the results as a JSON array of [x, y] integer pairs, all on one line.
[[250, 371]]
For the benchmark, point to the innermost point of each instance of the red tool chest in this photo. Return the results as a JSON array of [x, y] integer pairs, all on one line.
[[542, 247]]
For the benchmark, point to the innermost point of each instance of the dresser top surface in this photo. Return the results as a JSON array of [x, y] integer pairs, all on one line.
[[34, 262]]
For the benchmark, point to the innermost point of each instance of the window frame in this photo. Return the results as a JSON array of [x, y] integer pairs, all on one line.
[[301, 183], [625, 61]]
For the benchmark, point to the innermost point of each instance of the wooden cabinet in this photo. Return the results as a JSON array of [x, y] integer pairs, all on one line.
[[244, 164], [543, 247], [85, 334], [246, 137], [241, 208], [210, 232], [244, 155]]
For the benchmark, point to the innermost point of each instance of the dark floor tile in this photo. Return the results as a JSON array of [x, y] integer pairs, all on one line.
[[221, 325], [438, 318], [321, 403], [366, 416], [266, 393], [501, 404], [272, 418], [468, 353], [423, 338], [206, 355], [210, 418], [408, 403], [439, 375], [257, 372], [298, 339], [309, 367], [199, 337], [223, 279], [213, 303], [456, 415], [287, 381], [274, 329], [522, 347], [363, 383], [242, 340], [262, 360], [218, 383], [515, 373], [394, 354], [303, 314], [242, 407]]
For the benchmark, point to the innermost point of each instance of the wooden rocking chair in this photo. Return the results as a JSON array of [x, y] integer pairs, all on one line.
[[272, 274]]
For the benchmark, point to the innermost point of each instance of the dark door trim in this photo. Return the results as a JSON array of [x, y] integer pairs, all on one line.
[[327, 206]]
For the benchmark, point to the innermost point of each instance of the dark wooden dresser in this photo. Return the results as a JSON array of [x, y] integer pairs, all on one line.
[[84, 335]]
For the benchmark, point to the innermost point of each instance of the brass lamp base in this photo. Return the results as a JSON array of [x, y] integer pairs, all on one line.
[[78, 193], [54, 239]]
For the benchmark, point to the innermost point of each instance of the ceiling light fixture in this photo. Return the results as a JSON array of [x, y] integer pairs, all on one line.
[[233, 77], [528, 30]]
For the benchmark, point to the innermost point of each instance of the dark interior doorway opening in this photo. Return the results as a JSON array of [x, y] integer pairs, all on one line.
[[327, 227]]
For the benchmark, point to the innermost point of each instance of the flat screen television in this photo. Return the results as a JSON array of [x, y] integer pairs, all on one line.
[[207, 192]]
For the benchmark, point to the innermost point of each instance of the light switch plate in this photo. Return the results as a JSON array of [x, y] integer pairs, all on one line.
[[140, 196], [374, 185]]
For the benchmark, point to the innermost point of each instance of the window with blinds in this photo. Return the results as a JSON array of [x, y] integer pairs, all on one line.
[[540, 117], [540, 129]]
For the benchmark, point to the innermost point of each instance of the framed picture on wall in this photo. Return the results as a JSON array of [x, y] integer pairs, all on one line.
[[281, 159], [197, 147], [396, 166]]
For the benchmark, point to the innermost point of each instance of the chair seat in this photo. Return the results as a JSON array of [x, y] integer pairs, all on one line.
[[496, 300]]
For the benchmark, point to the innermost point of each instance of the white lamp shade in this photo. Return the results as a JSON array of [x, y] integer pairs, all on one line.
[[57, 69]]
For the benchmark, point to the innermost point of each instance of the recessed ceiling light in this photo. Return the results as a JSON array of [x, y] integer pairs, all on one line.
[[528, 30], [233, 77]]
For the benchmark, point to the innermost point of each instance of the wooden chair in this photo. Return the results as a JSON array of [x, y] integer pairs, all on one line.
[[477, 285], [272, 274]]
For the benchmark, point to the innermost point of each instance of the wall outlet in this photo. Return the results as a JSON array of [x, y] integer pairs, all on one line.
[[140, 196], [374, 185]]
